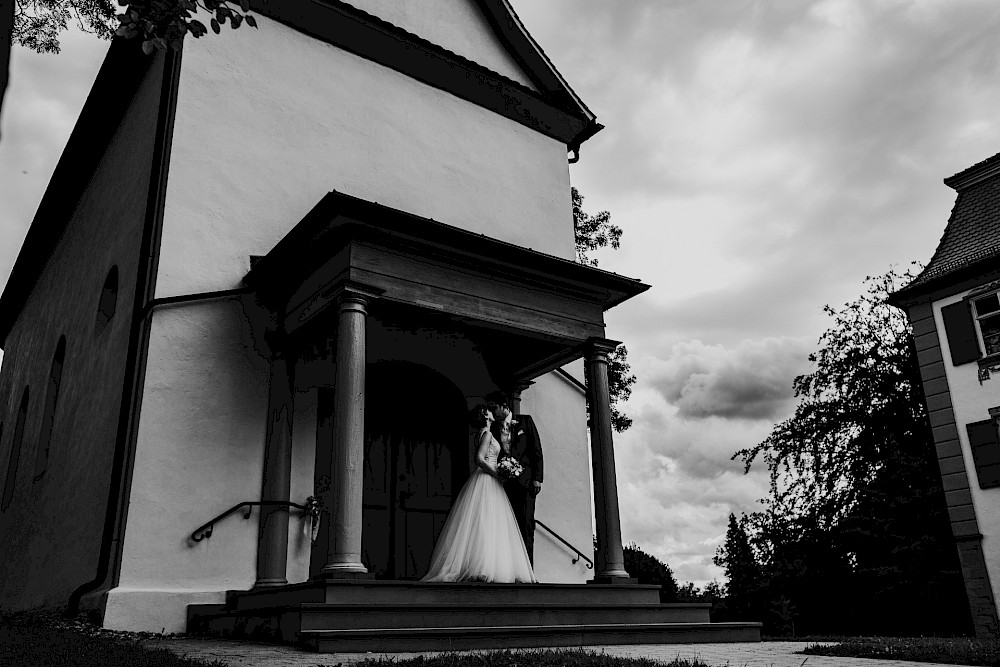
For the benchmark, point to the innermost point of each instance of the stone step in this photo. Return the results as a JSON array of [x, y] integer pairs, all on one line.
[[283, 623], [392, 592], [342, 617], [533, 636]]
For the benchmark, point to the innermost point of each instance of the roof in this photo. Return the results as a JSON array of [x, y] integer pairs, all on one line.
[[530, 55], [337, 215], [971, 239]]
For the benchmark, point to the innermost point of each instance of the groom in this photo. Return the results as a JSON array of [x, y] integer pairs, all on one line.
[[526, 447]]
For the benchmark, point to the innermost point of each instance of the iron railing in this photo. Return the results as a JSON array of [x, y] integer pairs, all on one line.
[[579, 554], [206, 530]]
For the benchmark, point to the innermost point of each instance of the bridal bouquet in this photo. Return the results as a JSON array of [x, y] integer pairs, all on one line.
[[508, 468]]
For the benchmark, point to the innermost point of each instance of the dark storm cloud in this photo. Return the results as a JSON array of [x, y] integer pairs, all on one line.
[[751, 381]]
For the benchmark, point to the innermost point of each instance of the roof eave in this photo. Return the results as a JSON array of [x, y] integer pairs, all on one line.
[[531, 57]]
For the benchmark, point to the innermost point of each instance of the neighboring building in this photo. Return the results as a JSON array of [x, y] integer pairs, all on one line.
[[283, 264], [954, 310]]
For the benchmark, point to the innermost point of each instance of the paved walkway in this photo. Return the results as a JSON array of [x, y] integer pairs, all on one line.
[[762, 654]]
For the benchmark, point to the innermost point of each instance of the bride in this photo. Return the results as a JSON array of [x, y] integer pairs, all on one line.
[[480, 540]]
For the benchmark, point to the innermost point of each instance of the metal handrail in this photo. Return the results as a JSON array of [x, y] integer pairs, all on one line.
[[205, 531], [590, 563]]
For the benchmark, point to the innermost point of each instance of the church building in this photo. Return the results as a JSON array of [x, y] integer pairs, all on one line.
[[270, 276]]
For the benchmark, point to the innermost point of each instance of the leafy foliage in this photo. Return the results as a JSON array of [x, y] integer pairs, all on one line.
[[855, 536], [620, 381], [593, 232], [160, 23], [859, 407], [714, 592], [650, 570], [166, 22], [38, 23]]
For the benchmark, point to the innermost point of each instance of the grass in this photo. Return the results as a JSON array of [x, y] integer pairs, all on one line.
[[953, 651], [534, 658], [47, 640]]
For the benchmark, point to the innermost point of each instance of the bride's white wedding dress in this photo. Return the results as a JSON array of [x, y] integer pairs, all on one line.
[[480, 540]]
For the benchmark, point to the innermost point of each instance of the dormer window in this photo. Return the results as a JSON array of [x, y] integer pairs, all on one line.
[[987, 313]]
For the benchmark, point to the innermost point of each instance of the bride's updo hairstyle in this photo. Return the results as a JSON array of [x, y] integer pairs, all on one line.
[[478, 416]]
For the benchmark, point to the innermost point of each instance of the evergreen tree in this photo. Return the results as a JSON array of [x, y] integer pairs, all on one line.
[[743, 573]]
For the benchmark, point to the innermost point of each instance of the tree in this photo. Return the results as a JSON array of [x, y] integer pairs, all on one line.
[[743, 573], [856, 511], [593, 232], [650, 570], [861, 405], [37, 24]]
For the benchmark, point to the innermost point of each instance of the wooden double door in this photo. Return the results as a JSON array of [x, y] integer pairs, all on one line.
[[416, 460]]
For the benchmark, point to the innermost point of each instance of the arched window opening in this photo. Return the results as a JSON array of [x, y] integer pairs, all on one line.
[[15, 453], [109, 301], [49, 412]]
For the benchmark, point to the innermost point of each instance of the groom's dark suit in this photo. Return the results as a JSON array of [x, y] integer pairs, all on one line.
[[526, 447]]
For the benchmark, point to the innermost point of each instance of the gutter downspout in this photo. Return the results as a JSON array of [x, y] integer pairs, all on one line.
[[135, 364]]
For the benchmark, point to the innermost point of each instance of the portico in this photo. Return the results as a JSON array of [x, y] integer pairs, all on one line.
[[526, 313]]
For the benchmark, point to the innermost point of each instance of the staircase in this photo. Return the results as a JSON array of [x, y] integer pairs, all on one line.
[[392, 616]]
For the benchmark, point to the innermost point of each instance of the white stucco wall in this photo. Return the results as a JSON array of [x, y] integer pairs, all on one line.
[[298, 118], [559, 409], [457, 25], [199, 451], [971, 402]]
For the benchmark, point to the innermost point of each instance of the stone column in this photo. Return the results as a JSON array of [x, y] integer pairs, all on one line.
[[347, 473], [514, 394], [610, 559], [272, 543]]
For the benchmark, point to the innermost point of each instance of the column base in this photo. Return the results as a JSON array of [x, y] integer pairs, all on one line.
[[269, 583], [611, 579], [344, 570], [342, 575]]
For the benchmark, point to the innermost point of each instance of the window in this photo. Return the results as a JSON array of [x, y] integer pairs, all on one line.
[[49, 411], [985, 447], [109, 301], [15, 453], [986, 310]]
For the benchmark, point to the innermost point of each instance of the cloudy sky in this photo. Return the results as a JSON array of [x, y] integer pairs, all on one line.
[[762, 156]]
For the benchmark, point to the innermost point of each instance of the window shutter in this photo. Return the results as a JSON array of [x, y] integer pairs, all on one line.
[[961, 332], [985, 452]]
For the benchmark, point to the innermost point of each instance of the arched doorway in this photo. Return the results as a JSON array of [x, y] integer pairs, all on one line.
[[416, 460]]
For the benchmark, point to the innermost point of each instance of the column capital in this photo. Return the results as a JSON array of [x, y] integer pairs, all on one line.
[[353, 294], [599, 347], [515, 387]]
